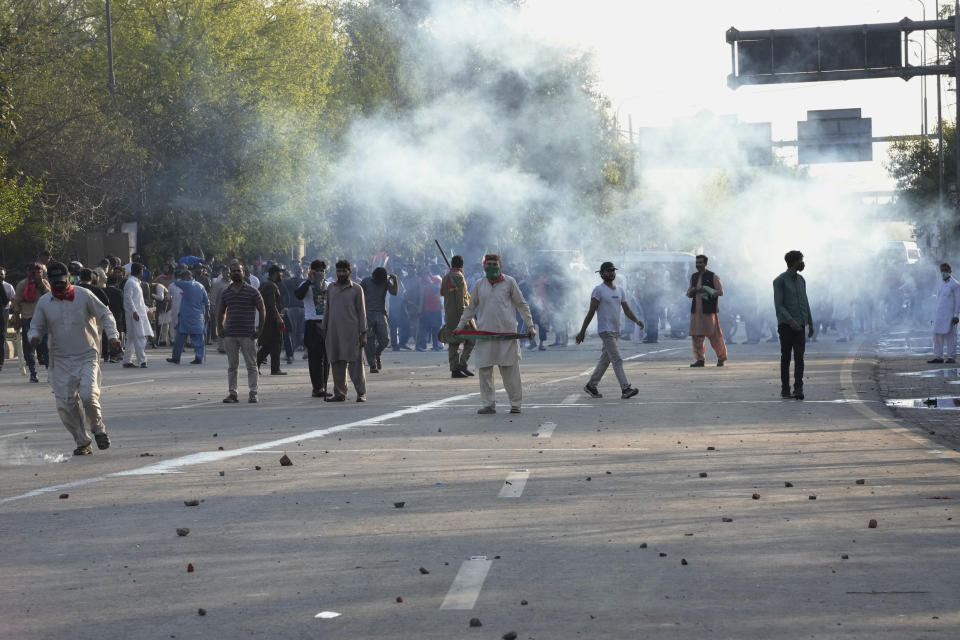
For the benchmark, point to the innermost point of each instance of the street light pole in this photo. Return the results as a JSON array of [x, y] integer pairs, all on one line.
[[111, 79], [923, 82], [956, 76]]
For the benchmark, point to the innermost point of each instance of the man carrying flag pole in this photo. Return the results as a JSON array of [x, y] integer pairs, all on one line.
[[494, 302]]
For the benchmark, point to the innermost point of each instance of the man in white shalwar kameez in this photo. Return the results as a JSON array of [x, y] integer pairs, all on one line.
[[946, 318], [494, 302], [138, 324], [73, 318]]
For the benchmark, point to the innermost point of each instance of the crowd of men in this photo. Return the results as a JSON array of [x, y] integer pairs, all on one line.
[[71, 317]]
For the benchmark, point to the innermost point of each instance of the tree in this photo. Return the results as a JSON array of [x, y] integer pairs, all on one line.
[[914, 164]]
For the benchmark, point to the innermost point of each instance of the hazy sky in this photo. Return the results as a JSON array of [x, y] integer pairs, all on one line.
[[661, 60]]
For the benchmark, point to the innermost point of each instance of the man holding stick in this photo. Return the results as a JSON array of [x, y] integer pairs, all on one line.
[[453, 288], [494, 302]]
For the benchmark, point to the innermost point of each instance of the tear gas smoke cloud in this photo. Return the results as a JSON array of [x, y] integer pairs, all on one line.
[[510, 134], [506, 132]]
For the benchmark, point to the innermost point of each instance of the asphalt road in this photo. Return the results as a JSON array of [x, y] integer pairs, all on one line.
[[578, 518]]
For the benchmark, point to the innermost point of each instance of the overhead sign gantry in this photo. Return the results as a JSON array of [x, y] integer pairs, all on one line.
[[821, 54]]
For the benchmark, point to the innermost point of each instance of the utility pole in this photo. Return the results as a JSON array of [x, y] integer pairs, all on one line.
[[111, 79], [956, 76]]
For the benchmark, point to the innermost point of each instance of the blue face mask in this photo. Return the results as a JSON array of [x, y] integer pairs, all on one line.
[[945, 275]]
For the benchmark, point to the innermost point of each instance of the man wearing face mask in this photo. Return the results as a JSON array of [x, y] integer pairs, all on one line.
[[606, 301], [793, 313], [237, 313], [345, 330], [73, 318], [313, 292], [494, 302], [946, 318], [375, 289]]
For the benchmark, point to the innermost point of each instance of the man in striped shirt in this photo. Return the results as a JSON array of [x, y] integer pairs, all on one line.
[[237, 323]]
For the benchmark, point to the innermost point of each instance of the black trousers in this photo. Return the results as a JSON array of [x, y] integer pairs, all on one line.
[[315, 342], [3, 333], [270, 342], [791, 342]]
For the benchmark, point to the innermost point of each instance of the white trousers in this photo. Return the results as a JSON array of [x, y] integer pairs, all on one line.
[[945, 342], [511, 382], [74, 384], [138, 344]]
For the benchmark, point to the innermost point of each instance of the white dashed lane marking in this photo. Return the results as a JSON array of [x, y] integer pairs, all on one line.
[[514, 484], [466, 586], [546, 429]]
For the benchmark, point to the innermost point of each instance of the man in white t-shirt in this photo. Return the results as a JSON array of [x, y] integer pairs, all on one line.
[[606, 301]]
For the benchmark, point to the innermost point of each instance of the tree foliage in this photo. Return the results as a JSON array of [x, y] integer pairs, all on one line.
[[228, 114]]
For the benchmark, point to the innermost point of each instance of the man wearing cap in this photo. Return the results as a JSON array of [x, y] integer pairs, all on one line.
[[606, 301], [272, 337], [26, 295], [946, 318], [73, 318], [193, 315], [138, 324], [705, 290], [494, 302]]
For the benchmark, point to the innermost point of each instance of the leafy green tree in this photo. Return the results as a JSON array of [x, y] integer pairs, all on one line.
[[914, 164]]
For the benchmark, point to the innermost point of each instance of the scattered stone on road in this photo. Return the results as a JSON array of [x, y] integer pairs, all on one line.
[[475, 622], [64, 496], [285, 461], [872, 524], [191, 503], [182, 531], [399, 505], [424, 571]]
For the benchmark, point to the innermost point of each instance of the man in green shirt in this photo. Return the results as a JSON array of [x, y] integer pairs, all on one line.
[[793, 313]]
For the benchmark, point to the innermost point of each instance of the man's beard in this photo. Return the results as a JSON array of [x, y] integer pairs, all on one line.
[[343, 279]]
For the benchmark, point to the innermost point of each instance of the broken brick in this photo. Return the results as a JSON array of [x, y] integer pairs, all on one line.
[[285, 461]]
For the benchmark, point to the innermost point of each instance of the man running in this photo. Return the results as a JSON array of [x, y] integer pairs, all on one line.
[[73, 317]]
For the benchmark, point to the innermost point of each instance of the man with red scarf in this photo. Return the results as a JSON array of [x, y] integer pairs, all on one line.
[[494, 302], [73, 318], [25, 299]]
